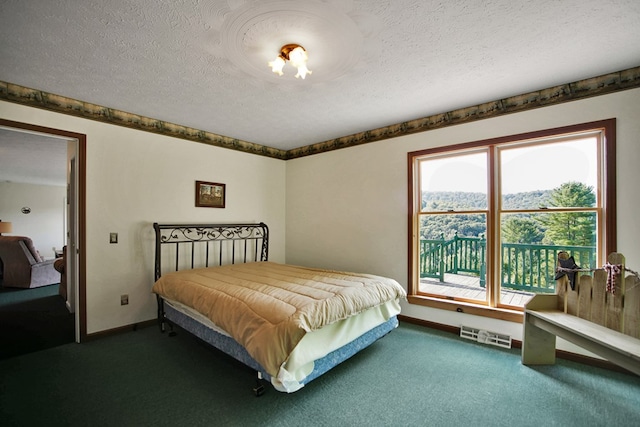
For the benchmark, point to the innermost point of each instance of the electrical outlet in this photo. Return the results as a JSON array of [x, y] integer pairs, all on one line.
[[113, 237], [124, 299]]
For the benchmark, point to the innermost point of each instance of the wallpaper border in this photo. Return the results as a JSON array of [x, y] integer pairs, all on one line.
[[601, 85], [61, 104]]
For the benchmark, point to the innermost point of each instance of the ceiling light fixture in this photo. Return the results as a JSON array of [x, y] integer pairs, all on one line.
[[296, 55]]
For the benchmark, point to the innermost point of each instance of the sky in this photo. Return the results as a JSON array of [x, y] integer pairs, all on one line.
[[539, 167]]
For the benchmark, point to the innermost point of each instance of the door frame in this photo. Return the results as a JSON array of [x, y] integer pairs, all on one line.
[[79, 204]]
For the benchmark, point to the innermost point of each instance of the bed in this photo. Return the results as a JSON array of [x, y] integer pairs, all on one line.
[[289, 323]]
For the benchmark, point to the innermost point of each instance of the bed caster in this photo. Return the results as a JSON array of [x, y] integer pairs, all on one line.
[[172, 333], [258, 390]]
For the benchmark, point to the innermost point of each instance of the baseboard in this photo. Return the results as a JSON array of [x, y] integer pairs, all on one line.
[[121, 329], [428, 324], [560, 354]]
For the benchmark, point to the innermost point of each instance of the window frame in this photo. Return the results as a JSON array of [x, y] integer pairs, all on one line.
[[606, 244]]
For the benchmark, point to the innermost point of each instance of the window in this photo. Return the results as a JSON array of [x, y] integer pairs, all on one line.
[[488, 218]]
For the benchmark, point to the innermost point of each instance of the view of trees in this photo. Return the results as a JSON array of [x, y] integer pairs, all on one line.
[[568, 228], [576, 228]]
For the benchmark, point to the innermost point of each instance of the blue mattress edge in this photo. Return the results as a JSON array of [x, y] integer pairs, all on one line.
[[232, 348]]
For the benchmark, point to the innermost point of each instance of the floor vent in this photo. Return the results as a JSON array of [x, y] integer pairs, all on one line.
[[486, 337]]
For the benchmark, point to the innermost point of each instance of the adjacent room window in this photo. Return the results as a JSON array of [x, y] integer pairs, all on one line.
[[488, 218]]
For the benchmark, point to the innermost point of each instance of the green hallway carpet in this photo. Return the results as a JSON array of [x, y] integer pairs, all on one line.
[[32, 320], [412, 377]]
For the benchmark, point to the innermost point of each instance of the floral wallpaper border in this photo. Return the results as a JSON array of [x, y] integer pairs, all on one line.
[[608, 83]]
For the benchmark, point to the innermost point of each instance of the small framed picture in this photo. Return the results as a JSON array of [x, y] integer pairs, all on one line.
[[210, 194]]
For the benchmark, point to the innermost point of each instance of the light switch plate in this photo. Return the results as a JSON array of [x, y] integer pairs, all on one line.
[[113, 237]]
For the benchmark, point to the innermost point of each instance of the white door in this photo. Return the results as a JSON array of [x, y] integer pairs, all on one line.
[[72, 238]]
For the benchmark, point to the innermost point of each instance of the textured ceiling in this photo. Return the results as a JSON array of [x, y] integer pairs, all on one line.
[[29, 158], [203, 63]]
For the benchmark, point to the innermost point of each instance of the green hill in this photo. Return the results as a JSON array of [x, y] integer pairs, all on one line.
[[470, 225]]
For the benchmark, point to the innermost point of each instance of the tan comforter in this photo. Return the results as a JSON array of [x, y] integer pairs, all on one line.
[[268, 307]]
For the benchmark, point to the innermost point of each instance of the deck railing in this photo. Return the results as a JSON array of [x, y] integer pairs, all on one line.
[[529, 268]]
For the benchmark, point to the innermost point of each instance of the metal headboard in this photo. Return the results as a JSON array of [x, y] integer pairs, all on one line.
[[190, 246]]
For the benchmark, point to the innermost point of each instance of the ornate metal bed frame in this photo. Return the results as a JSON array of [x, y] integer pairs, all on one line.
[[208, 245], [190, 246], [227, 236]]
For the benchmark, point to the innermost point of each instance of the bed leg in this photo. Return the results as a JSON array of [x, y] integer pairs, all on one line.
[[161, 320], [259, 389], [163, 328], [172, 333]]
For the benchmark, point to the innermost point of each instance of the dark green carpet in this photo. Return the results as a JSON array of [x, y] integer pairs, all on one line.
[[10, 296], [33, 320], [412, 377]]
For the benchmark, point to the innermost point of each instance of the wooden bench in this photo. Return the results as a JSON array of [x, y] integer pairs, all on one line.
[[602, 323]]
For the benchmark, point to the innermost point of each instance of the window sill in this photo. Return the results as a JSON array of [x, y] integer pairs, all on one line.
[[468, 308]]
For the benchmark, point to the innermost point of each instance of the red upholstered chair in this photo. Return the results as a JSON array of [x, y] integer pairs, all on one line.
[[23, 267]]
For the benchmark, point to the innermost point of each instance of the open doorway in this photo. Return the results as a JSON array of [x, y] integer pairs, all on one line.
[[72, 229]]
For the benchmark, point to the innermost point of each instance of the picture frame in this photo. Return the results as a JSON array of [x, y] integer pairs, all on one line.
[[210, 194]]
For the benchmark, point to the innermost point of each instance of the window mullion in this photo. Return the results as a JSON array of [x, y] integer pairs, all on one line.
[[493, 227]]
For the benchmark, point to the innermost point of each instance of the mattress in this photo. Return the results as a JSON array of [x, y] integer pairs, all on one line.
[[286, 317], [314, 355]]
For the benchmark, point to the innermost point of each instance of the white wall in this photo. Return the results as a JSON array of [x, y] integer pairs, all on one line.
[[44, 225], [347, 209], [135, 178]]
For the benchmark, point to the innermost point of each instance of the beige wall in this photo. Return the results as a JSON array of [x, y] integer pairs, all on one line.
[[135, 178], [44, 224], [347, 209]]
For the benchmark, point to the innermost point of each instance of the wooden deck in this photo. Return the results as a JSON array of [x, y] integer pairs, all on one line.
[[468, 287]]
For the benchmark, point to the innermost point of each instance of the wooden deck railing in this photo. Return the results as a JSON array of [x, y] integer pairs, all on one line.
[[530, 268]]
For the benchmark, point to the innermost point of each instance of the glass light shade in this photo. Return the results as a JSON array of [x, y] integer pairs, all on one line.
[[303, 71], [277, 65], [298, 56]]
